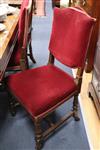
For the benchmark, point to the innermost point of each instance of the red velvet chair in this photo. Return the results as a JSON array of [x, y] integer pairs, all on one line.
[[42, 90], [19, 59]]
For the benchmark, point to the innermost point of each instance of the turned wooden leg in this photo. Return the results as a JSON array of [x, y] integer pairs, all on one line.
[[49, 121], [38, 135], [75, 108], [24, 63], [12, 104]]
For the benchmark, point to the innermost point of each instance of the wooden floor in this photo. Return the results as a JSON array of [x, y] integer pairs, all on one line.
[[91, 120]]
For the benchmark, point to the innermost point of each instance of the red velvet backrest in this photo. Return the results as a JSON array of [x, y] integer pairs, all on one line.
[[70, 36], [22, 22], [28, 23]]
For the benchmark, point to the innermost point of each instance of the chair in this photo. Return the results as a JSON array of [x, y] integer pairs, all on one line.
[[42, 90], [19, 58]]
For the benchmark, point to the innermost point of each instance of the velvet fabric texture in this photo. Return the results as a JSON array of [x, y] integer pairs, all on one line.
[[41, 88], [22, 22], [15, 59], [70, 35]]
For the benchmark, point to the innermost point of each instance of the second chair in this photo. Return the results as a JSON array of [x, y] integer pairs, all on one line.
[[23, 48]]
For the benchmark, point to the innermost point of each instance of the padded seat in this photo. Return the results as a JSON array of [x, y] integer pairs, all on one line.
[[39, 96]]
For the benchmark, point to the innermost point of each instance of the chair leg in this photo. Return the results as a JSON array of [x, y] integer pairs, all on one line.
[[12, 104], [30, 53], [49, 122], [24, 64], [75, 108], [38, 135]]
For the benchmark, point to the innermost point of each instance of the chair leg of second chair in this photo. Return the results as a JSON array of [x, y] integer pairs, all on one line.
[[12, 104], [30, 53], [24, 63], [75, 108]]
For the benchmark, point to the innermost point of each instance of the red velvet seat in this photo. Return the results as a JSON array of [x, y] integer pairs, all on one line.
[[19, 58], [42, 90], [49, 77]]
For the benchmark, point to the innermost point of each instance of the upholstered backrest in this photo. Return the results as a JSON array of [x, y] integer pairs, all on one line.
[[28, 23], [24, 34], [22, 22], [70, 36], [25, 22]]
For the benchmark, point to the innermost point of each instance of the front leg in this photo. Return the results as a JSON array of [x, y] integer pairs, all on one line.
[[38, 134]]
